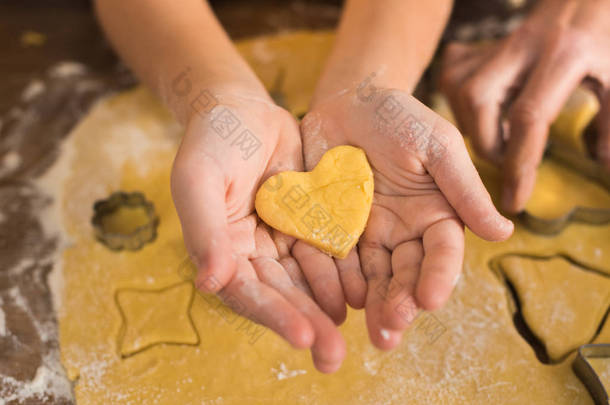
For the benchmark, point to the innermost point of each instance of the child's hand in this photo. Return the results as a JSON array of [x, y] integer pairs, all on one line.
[[225, 155], [425, 185]]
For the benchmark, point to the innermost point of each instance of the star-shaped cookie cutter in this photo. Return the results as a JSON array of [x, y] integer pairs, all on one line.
[[588, 215], [587, 374]]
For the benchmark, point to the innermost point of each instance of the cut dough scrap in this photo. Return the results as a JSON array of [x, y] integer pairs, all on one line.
[[557, 296], [156, 317], [327, 207]]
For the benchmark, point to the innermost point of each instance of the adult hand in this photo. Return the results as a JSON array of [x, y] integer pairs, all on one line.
[[412, 249], [527, 78], [232, 144]]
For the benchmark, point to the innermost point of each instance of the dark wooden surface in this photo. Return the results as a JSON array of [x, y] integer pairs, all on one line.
[[33, 130]]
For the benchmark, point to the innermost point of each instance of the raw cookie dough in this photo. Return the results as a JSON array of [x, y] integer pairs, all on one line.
[[327, 207], [550, 307], [601, 365], [569, 126], [469, 352]]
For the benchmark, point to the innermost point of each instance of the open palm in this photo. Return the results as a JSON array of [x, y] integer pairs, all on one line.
[[426, 186], [229, 149]]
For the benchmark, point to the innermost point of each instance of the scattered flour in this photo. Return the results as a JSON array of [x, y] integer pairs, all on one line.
[[283, 373], [33, 89], [49, 382], [385, 334], [3, 331], [67, 69]]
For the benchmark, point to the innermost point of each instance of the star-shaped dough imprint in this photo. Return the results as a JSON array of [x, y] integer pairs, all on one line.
[[155, 317], [554, 295]]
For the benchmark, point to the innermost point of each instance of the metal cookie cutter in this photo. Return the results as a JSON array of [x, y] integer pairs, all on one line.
[[570, 135], [587, 374], [588, 215], [125, 221]]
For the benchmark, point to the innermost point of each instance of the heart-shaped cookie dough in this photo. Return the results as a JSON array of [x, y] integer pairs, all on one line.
[[327, 207]]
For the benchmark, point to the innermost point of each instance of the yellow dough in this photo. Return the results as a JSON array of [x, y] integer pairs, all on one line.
[[550, 307], [569, 126], [125, 220], [601, 365], [327, 207], [559, 189], [469, 352]]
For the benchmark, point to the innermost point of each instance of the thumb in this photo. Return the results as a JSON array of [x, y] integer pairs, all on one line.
[[198, 190], [455, 175]]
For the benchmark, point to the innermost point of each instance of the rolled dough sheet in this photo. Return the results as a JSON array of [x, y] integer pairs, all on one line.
[[467, 353], [551, 307]]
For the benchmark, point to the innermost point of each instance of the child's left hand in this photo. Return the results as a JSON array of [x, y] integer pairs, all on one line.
[[412, 249]]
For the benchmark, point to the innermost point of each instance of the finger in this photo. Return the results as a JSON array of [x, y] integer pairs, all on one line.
[[267, 306], [314, 142], [603, 140], [328, 350], [485, 91], [457, 52], [460, 61], [323, 278], [284, 245], [455, 175], [400, 308], [442, 263], [200, 204], [352, 280], [377, 268], [554, 78]]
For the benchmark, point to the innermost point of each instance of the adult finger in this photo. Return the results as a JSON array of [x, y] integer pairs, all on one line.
[[460, 61], [323, 279], [556, 75], [400, 308], [442, 264], [486, 90], [328, 350]]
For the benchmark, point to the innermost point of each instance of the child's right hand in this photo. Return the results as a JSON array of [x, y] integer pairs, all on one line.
[[224, 156]]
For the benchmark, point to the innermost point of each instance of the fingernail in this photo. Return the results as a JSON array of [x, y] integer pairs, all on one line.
[[385, 334]]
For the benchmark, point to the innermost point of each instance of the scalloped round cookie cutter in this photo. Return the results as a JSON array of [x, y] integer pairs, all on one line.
[[133, 240]]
